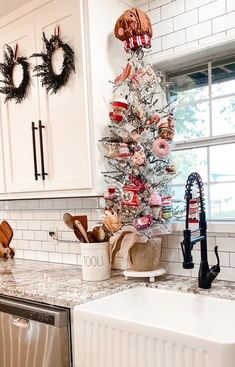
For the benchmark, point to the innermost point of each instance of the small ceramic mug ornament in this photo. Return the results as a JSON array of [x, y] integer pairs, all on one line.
[[139, 157], [130, 196], [143, 222], [119, 108]]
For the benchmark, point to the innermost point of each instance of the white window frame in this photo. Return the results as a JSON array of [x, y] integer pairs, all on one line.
[[210, 141]]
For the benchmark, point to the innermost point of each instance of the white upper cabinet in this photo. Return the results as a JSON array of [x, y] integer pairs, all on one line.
[[65, 159], [65, 114], [17, 118]]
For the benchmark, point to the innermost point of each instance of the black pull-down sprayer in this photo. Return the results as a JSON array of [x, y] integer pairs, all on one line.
[[206, 275]]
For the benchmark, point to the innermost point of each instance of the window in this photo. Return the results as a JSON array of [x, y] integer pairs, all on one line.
[[204, 102]]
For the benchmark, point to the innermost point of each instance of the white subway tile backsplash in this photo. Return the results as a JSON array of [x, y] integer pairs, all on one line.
[[230, 5], [172, 9], [74, 203], [42, 256], [226, 244], [173, 39], [174, 241], [213, 39], [55, 257], [28, 235], [35, 245], [62, 247], [53, 215], [230, 32], [97, 214], [60, 204], [22, 224], [47, 225], [155, 15], [75, 248], [29, 255], [170, 255], [90, 203], [223, 23], [48, 246], [34, 225], [12, 214], [162, 28], [157, 46], [212, 10], [69, 259], [192, 4], [19, 254], [41, 235], [68, 236], [20, 204], [23, 244], [187, 47], [27, 214], [198, 31], [226, 274], [157, 3], [176, 268], [232, 260], [33, 204], [18, 235], [46, 204], [186, 20]]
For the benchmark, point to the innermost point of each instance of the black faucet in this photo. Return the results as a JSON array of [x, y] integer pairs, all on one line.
[[206, 275]]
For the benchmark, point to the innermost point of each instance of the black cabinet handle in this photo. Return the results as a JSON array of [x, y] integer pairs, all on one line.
[[41, 148], [36, 174]]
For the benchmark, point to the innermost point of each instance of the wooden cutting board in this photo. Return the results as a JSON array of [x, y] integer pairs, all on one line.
[[6, 235]]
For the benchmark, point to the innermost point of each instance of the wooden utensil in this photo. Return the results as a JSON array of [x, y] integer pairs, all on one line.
[[69, 220], [78, 225], [6, 234]]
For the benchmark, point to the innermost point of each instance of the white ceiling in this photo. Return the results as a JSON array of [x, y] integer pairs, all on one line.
[[7, 6]]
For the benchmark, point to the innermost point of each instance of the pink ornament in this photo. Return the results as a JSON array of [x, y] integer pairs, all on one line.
[[139, 157], [143, 222], [161, 148], [155, 199]]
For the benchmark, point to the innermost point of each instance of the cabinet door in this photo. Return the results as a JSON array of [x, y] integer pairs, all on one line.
[[17, 118], [65, 114]]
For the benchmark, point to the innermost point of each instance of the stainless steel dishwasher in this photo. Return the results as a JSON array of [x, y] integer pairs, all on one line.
[[33, 335]]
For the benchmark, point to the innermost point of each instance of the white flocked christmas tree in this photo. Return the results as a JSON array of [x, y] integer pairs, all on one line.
[[139, 137]]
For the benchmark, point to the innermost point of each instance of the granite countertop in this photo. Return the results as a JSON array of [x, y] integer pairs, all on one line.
[[61, 285]]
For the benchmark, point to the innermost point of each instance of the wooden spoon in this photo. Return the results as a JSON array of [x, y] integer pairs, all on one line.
[[68, 220], [78, 225]]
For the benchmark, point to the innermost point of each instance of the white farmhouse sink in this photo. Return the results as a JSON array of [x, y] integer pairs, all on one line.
[[144, 327]]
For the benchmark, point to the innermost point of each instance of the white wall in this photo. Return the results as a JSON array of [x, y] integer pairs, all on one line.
[[186, 26]]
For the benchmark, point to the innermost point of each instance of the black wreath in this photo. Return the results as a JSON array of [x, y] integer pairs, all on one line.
[[53, 82], [6, 68]]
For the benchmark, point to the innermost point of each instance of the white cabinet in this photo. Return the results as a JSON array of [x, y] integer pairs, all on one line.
[[73, 120], [17, 118], [65, 114]]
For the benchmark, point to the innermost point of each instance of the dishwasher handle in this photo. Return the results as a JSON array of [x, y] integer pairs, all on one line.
[[20, 322]]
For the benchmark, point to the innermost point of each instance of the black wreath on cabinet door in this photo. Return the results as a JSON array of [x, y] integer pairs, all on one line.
[[49, 79], [10, 60]]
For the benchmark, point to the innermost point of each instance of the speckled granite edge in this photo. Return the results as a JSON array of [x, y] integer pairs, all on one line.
[[61, 285]]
